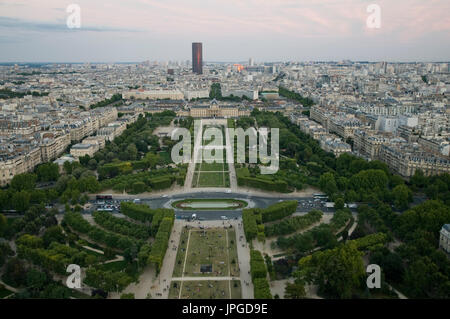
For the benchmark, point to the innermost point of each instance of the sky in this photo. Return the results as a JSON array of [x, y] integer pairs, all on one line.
[[231, 30]]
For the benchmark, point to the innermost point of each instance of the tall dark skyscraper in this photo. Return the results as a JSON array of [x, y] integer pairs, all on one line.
[[197, 58]]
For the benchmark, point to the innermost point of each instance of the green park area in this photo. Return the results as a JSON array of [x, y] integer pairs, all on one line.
[[210, 252], [206, 289]]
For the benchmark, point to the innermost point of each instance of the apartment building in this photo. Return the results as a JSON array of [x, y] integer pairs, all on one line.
[[53, 144], [81, 149], [367, 143], [405, 160], [153, 95], [444, 238], [13, 165]]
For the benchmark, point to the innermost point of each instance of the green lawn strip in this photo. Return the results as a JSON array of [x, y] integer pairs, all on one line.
[[236, 291], [232, 251], [211, 180], [212, 167], [181, 252]]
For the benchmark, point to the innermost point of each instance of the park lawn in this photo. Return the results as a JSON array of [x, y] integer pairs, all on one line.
[[211, 180], [208, 247], [212, 167], [203, 289], [195, 179], [236, 291], [181, 253], [174, 290]]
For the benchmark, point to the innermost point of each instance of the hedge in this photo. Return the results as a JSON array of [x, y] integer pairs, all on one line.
[[121, 225], [275, 212], [161, 182], [371, 242], [79, 224], [250, 226], [261, 289], [257, 265], [291, 225], [279, 211], [158, 216], [55, 258], [138, 212], [161, 242], [255, 182]]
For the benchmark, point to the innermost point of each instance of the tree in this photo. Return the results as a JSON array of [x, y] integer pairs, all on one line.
[[15, 272], [338, 271], [424, 280], [418, 179], [21, 201], [428, 216], [339, 203], [295, 290], [53, 234], [327, 184], [92, 164], [25, 181], [131, 152], [36, 279], [402, 196], [3, 224], [84, 160], [48, 172]]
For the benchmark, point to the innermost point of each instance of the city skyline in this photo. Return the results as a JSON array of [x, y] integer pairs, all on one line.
[[36, 31]]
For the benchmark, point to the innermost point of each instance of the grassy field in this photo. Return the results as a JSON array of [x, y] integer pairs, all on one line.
[[215, 247], [206, 289], [208, 179], [215, 174], [207, 248]]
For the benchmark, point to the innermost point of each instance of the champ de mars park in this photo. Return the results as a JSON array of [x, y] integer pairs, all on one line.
[[214, 208]]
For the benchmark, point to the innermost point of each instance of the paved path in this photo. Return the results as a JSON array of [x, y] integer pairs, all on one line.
[[184, 263], [243, 251]]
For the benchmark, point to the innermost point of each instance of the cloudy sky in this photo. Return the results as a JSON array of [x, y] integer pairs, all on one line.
[[231, 30]]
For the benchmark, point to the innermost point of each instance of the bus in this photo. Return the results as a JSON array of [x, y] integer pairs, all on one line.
[[320, 196], [103, 197]]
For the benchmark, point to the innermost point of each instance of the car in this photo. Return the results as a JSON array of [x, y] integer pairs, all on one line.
[[228, 191], [223, 217], [164, 196]]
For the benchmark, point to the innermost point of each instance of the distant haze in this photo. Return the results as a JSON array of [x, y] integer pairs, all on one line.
[[230, 30]]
